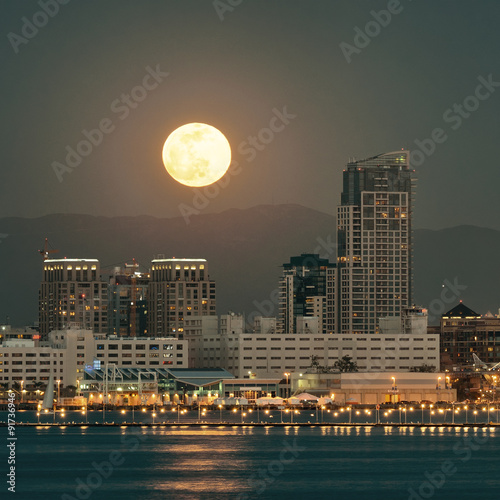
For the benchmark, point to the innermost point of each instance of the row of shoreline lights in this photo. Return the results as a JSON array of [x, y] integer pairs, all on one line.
[[348, 409]]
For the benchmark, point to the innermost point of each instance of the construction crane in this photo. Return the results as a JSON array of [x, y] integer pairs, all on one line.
[[45, 252]]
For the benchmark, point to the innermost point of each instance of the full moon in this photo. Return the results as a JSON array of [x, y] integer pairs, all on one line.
[[196, 154]]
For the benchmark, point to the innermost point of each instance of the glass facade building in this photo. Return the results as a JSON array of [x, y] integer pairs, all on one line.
[[374, 237]]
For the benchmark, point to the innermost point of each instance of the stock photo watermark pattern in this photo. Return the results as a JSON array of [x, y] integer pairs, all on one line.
[[31, 27], [223, 6], [455, 116], [101, 471], [435, 480], [373, 28], [259, 481], [121, 106], [249, 149]]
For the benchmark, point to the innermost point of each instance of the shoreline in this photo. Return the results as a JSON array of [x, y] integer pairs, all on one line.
[[491, 425]]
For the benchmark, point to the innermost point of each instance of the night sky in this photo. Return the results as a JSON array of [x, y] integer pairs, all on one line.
[[237, 67]]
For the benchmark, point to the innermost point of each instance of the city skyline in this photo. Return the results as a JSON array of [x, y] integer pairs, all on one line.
[[250, 248]]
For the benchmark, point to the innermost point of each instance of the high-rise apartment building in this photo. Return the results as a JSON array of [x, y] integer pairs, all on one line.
[[374, 241], [127, 302], [178, 288], [306, 288], [72, 292]]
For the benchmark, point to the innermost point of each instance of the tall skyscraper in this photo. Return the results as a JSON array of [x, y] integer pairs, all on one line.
[[306, 288], [375, 241], [179, 288], [127, 303], [72, 292]]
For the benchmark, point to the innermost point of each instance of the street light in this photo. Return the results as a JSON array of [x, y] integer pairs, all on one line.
[[220, 410], [287, 389], [438, 386], [22, 383], [394, 390]]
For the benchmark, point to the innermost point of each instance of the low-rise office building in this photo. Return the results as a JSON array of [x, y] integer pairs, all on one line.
[[67, 353], [267, 354]]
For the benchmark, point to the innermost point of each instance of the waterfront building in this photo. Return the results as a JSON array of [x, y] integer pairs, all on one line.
[[67, 353], [267, 354], [153, 386], [127, 302], [374, 234], [464, 332], [306, 289], [376, 387], [72, 292], [179, 288]]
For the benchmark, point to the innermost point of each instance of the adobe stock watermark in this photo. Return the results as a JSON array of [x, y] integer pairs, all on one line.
[[30, 28], [122, 106], [101, 471], [450, 293], [3, 236], [259, 481], [326, 249], [223, 6], [249, 149], [373, 28], [454, 116], [436, 479]]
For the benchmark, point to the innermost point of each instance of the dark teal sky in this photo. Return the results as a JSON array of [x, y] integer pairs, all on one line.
[[231, 74]]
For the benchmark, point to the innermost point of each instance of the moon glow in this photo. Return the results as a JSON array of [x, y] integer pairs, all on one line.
[[196, 154]]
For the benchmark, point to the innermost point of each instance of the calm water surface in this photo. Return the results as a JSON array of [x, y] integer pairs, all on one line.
[[247, 463]]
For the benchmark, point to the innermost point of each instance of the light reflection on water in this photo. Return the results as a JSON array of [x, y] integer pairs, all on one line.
[[252, 462]]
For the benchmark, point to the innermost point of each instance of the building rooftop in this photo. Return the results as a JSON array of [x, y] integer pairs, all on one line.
[[461, 311], [173, 259], [55, 261]]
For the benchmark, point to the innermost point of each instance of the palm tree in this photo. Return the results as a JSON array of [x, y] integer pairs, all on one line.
[[5, 387], [345, 364], [70, 391]]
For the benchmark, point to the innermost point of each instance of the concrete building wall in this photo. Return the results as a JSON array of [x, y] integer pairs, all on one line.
[[375, 387], [270, 355], [66, 353]]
